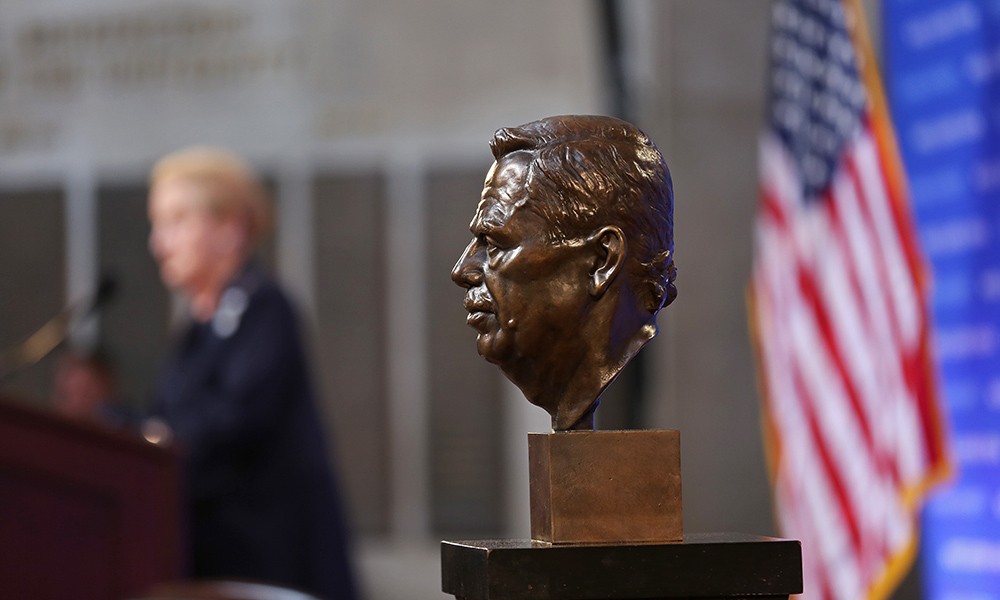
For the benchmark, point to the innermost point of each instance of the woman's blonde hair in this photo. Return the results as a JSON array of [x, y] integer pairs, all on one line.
[[231, 188]]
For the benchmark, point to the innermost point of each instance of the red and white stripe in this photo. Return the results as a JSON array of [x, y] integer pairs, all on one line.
[[841, 331]]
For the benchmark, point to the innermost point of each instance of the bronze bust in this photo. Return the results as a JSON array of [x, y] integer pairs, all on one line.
[[571, 258]]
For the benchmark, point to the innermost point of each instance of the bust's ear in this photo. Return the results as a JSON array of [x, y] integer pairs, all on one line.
[[611, 247]]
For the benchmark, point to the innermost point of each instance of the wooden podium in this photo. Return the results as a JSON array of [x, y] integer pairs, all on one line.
[[88, 512]]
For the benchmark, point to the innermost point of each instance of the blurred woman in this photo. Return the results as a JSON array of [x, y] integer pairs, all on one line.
[[236, 391]]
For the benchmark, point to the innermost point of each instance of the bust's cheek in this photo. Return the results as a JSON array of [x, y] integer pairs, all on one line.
[[503, 259]]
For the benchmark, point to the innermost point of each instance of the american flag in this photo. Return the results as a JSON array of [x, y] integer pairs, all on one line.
[[839, 310]]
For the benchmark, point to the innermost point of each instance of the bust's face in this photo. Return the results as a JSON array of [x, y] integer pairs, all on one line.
[[526, 295]]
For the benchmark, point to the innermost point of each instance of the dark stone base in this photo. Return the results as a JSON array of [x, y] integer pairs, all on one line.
[[707, 565]]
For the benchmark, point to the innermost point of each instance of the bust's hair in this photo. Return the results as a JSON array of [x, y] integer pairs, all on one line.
[[230, 188], [585, 172]]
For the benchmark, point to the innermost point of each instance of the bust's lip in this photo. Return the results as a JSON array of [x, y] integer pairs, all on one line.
[[479, 320], [473, 307], [480, 310], [477, 302]]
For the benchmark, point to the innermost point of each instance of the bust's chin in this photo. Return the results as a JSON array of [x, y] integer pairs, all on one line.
[[493, 346]]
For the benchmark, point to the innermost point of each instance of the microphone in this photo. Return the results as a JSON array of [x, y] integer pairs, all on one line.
[[107, 287], [54, 332]]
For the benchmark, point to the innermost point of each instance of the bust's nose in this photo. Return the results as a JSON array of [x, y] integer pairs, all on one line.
[[468, 271]]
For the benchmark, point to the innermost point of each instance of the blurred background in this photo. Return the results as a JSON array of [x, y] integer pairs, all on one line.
[[370, 122]]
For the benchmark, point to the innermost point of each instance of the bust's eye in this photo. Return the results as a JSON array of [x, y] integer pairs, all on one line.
[[492, 247]]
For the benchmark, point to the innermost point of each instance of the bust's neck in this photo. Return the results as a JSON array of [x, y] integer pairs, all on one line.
[[579, 398], [567, 379]]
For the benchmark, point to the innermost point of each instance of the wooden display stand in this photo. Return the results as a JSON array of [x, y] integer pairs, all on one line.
[[606, 518], [88, 512]]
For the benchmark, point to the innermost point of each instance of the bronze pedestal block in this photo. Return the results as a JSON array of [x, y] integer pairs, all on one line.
[[605, 487]]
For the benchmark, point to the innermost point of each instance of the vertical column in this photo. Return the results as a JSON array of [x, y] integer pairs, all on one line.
[[295, 246], [81, 248], [407, 347], [641, 72], [522, 418], [650, 58]]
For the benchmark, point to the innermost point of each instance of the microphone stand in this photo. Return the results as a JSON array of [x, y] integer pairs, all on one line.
[[53, 333]]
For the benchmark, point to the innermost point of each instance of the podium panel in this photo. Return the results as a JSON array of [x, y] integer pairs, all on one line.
[[88, 512]]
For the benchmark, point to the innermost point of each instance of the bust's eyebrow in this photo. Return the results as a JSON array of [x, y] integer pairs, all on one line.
[[492, 216], [485, 227], [490, 224]]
